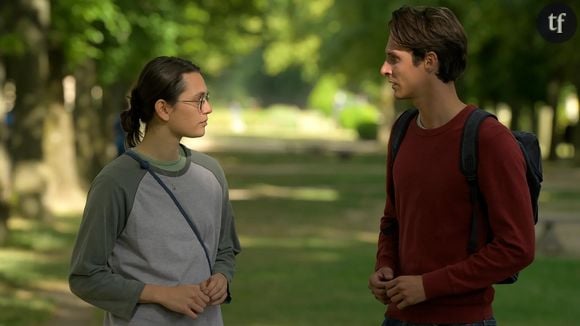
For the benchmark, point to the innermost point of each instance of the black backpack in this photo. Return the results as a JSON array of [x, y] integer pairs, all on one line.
[[528, 144]]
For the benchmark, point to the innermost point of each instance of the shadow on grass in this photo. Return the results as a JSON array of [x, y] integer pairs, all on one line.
[[293, 272], [43, 236], [37, 253], [304, 282], [23, 311], [292, 282]]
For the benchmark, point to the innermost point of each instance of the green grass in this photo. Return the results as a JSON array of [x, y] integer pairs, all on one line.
[[308, 225], [306, 262], [36, 254], [545, 294]]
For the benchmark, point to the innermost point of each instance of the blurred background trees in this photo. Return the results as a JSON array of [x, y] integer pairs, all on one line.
[[67, 66]]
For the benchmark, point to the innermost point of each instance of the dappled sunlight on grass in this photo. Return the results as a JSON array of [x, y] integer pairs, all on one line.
[[294, 193], [325, 238], [293, 243], [280, 121], [41, 235], [24, 303], [20, 303], [560, 199], [18, 267], [33, 262]]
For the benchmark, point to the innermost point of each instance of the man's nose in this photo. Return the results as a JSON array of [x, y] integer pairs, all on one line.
[[386, 69]]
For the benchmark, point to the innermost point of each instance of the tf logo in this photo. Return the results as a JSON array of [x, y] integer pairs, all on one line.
[[556, 23]]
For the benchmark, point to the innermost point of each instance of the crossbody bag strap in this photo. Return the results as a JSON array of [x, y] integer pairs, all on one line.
[[145, 165]]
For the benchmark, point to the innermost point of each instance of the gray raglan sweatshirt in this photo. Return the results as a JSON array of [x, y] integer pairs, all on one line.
[[132, 234]]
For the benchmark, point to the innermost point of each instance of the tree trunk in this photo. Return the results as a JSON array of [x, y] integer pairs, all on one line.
[[114, 101], [516, 110], [96, 116], [63, 191], [576, 135], [30, 71], [88, 115], [553, 95], [4, 163], [534, 117]]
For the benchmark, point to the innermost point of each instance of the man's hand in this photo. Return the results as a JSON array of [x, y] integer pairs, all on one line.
[[405, 291], [216, 288], [378, 283], [186, 299]]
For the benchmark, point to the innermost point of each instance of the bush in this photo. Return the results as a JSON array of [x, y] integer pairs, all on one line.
[[363, 118], [368, 130], [322, 96]]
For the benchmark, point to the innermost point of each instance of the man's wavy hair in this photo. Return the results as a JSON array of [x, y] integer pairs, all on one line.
[[437, 29]]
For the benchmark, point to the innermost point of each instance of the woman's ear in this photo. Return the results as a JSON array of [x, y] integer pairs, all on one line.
[[162, 110], [431, 62]]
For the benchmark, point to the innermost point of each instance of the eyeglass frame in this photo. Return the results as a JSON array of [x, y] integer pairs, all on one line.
[[204, 98]]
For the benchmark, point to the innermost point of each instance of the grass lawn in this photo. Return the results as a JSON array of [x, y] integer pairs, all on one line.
[[308, 226], [33, 263], [306, 260]]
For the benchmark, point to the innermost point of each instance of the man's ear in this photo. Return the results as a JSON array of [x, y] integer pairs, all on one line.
[[431, 62], [162, 110]]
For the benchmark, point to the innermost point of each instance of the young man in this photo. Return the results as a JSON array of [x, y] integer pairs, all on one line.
[[423, 271]]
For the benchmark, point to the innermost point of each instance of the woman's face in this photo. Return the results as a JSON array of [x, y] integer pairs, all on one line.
[[190, 112]]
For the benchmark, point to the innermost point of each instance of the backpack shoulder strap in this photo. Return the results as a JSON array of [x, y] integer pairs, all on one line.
[[400, 129], [469, 142], [398, 133], [468, 163]]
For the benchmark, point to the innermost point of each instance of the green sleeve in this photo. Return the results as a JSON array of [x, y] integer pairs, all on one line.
[[108, 205]]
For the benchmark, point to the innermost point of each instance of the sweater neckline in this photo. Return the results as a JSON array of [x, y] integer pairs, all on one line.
[[457, 121]]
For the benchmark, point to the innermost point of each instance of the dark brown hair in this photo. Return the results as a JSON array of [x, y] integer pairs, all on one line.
[[437, 29], [160, 79]]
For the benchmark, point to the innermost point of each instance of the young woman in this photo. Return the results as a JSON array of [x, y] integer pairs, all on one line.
[[139, 256]]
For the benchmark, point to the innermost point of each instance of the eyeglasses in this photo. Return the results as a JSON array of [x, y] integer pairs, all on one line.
[[198, 103]]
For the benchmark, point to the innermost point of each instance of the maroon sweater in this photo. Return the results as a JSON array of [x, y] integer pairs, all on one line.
[[433, 210]]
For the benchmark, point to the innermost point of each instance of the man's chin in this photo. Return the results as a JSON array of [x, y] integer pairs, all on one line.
[[400, 96]]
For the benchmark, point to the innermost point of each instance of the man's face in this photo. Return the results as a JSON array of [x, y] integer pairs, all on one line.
[[406, 78]]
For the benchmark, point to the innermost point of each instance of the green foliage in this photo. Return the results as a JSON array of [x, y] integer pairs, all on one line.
[[11, 43], [293, 33], [322, 96], [85, 29], [367, 130], [354, 115]]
